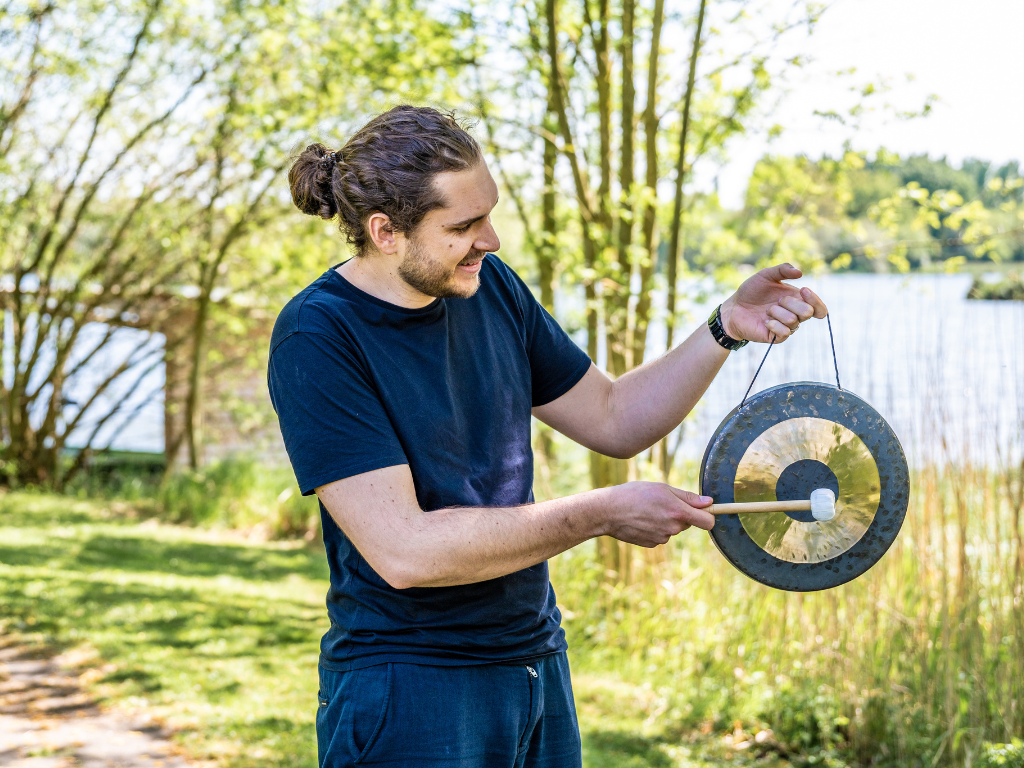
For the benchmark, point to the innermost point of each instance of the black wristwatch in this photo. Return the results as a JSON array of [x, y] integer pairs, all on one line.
[[718, 331]]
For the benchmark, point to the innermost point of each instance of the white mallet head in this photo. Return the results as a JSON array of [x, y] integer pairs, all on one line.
[[823, 504]]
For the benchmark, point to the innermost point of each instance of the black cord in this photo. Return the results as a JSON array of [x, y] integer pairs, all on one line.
[[832, 341], [835, 361], [770, 344]]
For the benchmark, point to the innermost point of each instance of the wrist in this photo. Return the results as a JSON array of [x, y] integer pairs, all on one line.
[[727, 309], [721, 329], [602, 505]]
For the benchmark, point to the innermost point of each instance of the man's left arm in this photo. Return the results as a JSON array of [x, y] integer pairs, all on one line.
[[623, 417]]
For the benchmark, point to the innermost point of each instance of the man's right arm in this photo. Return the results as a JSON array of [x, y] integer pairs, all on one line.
[[408, 547]]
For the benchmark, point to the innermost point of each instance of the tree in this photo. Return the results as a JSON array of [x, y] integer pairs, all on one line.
[[176, 124], [77, 248], [857, 213], [578, 102], [289, 75]]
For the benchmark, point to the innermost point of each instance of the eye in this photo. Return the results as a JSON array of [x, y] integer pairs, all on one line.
[[462, 230]]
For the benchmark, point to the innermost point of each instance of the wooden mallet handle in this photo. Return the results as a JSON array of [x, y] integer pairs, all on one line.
[[760, 506]]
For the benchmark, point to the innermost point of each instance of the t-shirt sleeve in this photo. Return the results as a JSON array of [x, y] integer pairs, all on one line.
[[556, 362], [332, 420]]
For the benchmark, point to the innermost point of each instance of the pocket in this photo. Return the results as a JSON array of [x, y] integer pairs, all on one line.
[[324, 727], [369, 688], [350, 713]]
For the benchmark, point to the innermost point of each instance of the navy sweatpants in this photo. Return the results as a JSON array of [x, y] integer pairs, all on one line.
[[485, 716]]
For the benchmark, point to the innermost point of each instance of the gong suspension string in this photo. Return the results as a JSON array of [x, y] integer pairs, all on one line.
[[835, 361], [832, 341], [770, 345]]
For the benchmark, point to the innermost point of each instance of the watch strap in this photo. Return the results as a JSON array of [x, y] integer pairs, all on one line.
[[718, 331]]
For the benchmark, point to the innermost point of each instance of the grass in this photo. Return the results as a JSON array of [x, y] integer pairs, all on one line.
[[213, 634], [919, 662], [678, 659], [233, 493], [218, 635]]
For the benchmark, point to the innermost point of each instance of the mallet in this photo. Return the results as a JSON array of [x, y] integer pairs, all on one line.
[[821, 505]]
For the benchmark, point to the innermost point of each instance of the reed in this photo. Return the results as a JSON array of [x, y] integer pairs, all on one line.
[[918, 662]]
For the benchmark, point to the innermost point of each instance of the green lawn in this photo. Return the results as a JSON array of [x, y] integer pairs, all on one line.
[[218, 636]]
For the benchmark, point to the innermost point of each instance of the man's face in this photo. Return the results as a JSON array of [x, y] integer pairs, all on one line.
[[442, 256]]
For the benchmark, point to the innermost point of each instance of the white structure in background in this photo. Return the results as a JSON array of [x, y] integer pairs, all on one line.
[[135, 398]]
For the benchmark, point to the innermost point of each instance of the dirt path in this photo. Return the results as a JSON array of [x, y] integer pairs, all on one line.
[[47, 720]]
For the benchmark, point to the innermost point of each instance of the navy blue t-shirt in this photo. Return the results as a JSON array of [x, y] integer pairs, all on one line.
[[361, 384]]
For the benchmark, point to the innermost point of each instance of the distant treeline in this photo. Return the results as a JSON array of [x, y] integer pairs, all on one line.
[[867, 214]]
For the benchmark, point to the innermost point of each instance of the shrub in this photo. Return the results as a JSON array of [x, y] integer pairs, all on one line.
[[1002, 755], [236, 492]]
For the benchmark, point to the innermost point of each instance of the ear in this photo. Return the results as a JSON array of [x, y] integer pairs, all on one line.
[[378, 226]]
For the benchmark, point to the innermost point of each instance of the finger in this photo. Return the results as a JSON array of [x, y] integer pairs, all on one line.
[[781, 272], [691, 498], [701, 519], [782, 332], [798, 307], [784, 316], [820, 310], [682, 526]]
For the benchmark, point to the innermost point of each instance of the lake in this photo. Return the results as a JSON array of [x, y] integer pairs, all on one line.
[[945, 372]]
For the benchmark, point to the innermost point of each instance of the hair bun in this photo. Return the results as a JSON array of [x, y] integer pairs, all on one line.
[[311, 181], [387, 166]]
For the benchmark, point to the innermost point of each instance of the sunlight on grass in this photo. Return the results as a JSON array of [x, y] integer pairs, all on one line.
[[678, 661], [217, 636]]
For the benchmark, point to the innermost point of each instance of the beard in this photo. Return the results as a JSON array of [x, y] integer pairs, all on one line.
[[433, 278]]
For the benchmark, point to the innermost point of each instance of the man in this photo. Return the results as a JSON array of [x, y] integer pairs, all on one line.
[[404, 380]]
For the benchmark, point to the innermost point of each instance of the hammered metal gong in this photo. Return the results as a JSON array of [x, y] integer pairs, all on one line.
[[780, 445]]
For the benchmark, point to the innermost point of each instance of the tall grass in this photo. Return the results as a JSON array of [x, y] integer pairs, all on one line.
[[919, 662]]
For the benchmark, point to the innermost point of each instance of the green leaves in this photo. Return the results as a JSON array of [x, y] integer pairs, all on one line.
[[143, 148]]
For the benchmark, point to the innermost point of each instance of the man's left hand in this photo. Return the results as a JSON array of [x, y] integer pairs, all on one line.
[[764, 306]]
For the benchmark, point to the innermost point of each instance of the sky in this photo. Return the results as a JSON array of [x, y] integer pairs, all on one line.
[[967, 53]]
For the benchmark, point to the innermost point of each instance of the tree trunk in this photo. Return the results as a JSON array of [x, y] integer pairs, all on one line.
[[194, 400], [650, 208], [558, 97], [617, 301], [677, 208], [546, 254], [677, 218]]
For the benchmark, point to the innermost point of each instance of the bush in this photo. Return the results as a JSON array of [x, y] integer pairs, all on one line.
[[1002, 755], [236, 492], [807, 721]]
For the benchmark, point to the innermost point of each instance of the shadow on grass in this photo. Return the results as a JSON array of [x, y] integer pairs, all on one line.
[[203, 623], [189, 558], [30, 510], [240, 634], [272, 742], [184, 558], [618, 749], [144, 680]]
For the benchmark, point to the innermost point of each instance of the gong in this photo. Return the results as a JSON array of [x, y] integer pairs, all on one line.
[[784, 443]]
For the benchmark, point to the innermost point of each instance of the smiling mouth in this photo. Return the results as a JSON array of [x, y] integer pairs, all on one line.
[[472, 261]]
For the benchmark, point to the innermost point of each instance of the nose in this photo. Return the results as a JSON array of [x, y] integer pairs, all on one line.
[[487, 240]]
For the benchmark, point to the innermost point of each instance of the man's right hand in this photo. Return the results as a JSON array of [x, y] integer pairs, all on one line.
[[649, 514]]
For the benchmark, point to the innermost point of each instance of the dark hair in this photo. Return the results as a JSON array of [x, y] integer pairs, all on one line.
[[388, 166]]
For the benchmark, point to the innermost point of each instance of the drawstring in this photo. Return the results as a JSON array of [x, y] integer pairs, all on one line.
[[835, 361]]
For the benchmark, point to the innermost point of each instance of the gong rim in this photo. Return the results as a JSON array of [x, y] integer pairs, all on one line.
[[774, 406]]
